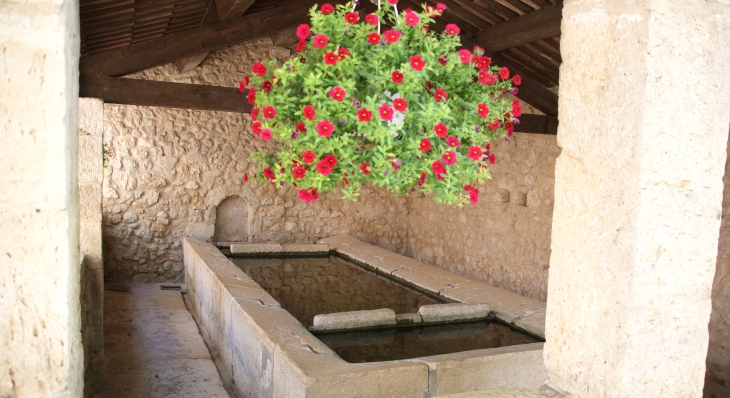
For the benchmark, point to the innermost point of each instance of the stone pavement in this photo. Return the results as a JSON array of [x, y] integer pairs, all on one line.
[[153, 348], [543, 392]]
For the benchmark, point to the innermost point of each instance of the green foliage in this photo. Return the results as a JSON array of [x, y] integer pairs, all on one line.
[[390, 148]]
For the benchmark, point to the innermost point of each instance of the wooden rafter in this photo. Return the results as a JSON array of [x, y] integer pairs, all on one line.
[[537, 25]]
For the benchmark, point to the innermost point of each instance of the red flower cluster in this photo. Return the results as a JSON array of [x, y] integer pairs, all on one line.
[[252, 96], [365, 168], [268, 173], [438, 168], [343, 53], [487, 78], [516, 108], [259, 69], [310, 194], [326, 165], [254, 113]]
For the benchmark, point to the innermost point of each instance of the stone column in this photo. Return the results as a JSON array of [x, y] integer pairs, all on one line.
[[40, 339], [91, 176], [644, 114]]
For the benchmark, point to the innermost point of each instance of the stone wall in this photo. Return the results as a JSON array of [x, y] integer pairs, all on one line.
[[91, 127], [40, 342], [718, 355]]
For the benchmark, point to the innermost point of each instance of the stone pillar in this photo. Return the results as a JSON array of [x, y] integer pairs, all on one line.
[[644, 114], [40, 340], [91, 176]]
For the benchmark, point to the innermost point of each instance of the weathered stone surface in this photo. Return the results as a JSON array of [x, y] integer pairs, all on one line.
[[41, 352], [304, 248], [354, 320], [255, 248], [637, 196], [452, 312], [542, 392], [408, 318]]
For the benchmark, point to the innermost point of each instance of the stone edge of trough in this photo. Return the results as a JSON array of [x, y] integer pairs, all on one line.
[[304, 366], [522, 312]]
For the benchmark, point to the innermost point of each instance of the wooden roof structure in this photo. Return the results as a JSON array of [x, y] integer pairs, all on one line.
[[119, 37]]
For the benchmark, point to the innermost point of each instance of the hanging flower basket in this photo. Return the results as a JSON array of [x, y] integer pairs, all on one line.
[[396, 107]]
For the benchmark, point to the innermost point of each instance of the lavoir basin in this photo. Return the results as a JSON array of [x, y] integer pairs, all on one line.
[[259, 316]]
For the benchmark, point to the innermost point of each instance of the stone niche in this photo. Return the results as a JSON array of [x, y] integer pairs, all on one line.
[[231, 220]]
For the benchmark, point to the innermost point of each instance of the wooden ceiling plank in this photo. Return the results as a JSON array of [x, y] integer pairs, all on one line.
[[163, 94], [526, 53], [171, 48], [537, 124], [229, 9], [462, 13], [537, 25], [537, 46], [493, 6], [539, 75], [517, 6], [478, 11]]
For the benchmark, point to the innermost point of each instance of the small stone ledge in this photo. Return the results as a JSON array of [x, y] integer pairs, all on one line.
[[255, 248], [353, 320], [305, 248], [452, 312], [408, 318]]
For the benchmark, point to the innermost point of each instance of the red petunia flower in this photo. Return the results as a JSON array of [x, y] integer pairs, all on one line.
[[474, 196], [438, 167], [441, 130], [509, 126], [441, 7], [269, 112], [364, 115], [259, 69], [252, 96], [301, 46], [475, 153], [516, 108], [242, 84], [393, 2], [443, 60], [245, 177], [256, 128], [453, 142], [386, 112], [309, 156], [300, 127], [396, 76], [309, 112], [492, 158], [254, 113], [494, 124], [365, 168], [268, 173], [266, 86], [411, 19], [327, 9], [373, 38], [504, 73], [417, 63], [425, 145], [325, 128], [429, 86], [371, 19], [452, 29], [343, 53], [464, 56], [337, 94], [400, 104], [440, 95], [323, 168], [299, 172], [516, 80], [392, 36], [449, 157], [422, 179], [303, 31], [330, 58], [266, 134], [351, 17], [308, 195], [482, 110], [487, 78], [320, 41]]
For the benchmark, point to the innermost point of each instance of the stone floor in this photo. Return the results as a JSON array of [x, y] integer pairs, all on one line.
[[153, 348], [543, 392]]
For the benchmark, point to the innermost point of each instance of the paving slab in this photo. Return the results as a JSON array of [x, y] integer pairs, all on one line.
[[153, 348], [543, 392]]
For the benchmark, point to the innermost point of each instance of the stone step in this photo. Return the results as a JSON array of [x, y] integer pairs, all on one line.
[[542, 392]]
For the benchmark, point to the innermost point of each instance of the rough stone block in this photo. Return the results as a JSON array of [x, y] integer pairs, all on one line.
[[255, 248], [305, 248], [354, 319], [408, 318], [452, 312]]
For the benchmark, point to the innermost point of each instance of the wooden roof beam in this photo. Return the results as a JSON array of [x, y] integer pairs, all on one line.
[[537, 25], [163, 94], [194, 41]]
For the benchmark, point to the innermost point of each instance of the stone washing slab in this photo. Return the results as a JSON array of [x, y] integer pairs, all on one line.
[[255, 248], [267, 352], [354, 320], [452, 312], [524, 312], [304, 248], [542, 392]]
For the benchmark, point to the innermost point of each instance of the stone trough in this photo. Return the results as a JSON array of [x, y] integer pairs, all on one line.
[[265, 352]]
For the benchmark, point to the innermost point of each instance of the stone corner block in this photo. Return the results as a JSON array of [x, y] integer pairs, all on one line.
[[354, 320], [255, 248], [305, 248], [339, 240], [452, 312]]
